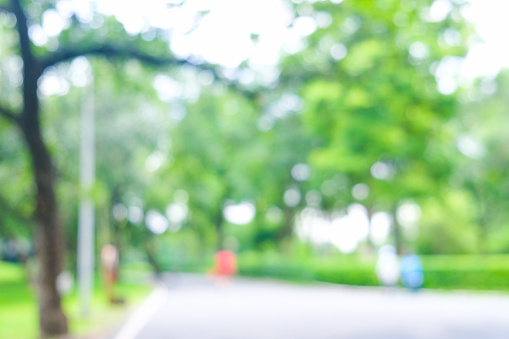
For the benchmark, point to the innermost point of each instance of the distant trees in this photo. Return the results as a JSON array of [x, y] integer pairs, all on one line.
[[374, 102]]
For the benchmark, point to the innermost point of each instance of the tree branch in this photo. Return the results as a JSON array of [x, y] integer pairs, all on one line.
[[6, 8], [7, 113], [67, 53], [31, 66], [22, 24]]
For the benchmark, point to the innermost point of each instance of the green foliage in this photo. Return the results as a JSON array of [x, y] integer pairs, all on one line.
[[370, 96], [257, 265], [447, 227], [362, 91], [481, 174], [467, 272], [15, 205], [339, 270]]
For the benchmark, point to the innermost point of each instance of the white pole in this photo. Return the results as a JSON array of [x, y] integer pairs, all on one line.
[[86, 212]]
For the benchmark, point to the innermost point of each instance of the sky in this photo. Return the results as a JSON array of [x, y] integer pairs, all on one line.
[[490, 18], [223, 35]]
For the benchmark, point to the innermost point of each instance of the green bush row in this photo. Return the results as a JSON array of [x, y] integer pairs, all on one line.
[[348, 270], [490, 272], [440, 272]]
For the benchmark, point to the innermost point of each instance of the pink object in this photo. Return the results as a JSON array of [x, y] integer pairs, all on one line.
[[226, 263]]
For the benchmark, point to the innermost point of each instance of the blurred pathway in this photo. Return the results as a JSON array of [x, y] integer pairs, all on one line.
[[195, 307]]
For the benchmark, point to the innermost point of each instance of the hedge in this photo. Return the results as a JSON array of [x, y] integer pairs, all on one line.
[[467, 272]]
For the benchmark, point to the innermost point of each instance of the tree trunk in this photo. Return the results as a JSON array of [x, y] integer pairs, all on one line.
[[149, 248], [49, 236], [398, 240], [371, 244], [285, 234], [218, 222]]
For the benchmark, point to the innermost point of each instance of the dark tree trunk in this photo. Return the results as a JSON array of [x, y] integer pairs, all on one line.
[[289, 219], [285, 234], [149, 247], [49, 236], [156, 268]]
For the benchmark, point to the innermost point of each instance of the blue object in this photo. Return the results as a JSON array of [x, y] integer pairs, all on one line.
[[412, 275]]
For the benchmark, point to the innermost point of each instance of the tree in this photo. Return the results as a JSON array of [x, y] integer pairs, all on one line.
[[79, 39], [481, 165], [371, 97]]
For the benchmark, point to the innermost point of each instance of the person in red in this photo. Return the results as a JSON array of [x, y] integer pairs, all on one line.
[[225, 266], [226, 263]]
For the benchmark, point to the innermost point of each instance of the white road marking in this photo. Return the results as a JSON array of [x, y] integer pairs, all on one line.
[[143, 314]]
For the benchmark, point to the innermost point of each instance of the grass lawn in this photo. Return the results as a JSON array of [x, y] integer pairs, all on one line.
[[18, 307]]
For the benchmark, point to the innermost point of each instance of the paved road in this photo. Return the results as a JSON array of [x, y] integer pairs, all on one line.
[[194, 307]]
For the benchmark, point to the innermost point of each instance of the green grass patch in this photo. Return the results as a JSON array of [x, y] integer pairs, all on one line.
[[104, 317], [19, 310]]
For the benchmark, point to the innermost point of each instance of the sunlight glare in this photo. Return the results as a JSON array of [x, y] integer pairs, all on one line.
[[239, 214]]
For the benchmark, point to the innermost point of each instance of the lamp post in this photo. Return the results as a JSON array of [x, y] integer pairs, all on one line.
[[86, 210]]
